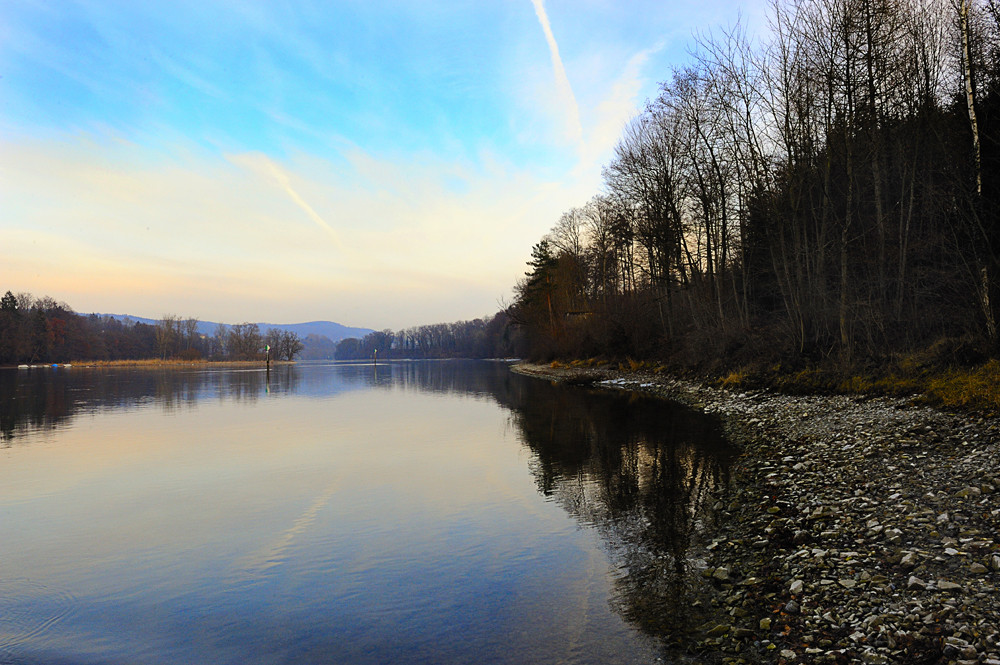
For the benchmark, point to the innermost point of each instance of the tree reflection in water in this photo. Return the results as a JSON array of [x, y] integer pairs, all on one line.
[[47, 397], [642, 471]]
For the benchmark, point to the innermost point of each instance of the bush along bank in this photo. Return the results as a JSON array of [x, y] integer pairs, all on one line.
[[856, 529]]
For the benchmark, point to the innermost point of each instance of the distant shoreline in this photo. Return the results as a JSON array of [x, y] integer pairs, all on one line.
[[152, 362]]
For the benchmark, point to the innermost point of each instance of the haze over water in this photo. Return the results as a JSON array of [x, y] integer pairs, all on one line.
[[439, 512]]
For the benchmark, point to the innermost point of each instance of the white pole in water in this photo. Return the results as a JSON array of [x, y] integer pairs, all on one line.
[[267, 355], [375, 358]]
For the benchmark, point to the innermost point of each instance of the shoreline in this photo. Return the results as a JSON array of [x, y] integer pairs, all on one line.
[[855, 529]]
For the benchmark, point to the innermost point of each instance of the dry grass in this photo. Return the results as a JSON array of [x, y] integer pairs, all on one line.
[[976, 389], [947, 373], [732, 380]]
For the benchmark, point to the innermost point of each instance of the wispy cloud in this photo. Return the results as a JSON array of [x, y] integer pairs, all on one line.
[[249, 161], [621, 102], [282, 178], [113, 226], [572, 110]]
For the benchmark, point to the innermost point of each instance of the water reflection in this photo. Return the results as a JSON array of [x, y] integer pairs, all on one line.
[[638, 471], [48, 398]]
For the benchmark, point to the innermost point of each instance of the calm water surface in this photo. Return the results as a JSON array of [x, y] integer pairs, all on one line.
[[437, 512]]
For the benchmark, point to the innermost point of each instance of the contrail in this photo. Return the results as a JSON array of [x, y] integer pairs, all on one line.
[[562, 81], [282, 179]]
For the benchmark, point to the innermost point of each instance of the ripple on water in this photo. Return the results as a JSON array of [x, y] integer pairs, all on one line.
[[28, 613]]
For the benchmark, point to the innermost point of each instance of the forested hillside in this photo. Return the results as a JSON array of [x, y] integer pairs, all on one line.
[[827, 193]]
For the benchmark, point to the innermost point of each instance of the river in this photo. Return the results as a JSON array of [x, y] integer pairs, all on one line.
[[418, 512]]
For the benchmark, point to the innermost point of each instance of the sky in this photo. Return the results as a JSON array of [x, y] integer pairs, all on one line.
[[378, 164]]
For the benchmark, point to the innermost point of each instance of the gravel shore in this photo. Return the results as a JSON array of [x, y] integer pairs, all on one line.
[[856, 530]]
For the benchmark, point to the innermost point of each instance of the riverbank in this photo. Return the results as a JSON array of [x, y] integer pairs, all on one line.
[[855, 529]]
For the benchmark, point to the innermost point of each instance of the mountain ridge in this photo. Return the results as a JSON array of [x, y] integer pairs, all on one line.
[[329, 329]]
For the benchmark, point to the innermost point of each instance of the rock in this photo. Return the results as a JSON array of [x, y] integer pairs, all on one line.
[[821, 512], [915, 583], [909, 560], [765, 623], [795, 588], [719, 630], [792, 607], [721, 573], [945, 585], [847, 583], [977, 568]]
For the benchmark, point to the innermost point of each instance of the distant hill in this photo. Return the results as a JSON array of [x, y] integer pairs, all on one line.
[[334, 331], [329, 329]]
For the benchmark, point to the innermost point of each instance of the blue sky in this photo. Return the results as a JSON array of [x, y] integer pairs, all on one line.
[[377, 164]]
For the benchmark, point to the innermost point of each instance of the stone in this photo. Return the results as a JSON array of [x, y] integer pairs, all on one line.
[[915, 583], [977, 568], [945, 585], [721, 573], [765, 623], [719, 630], [847, 583], [792, 607], [909, 560], [795, 588]]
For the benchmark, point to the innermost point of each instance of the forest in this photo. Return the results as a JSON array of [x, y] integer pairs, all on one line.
[[41, 330], [826, 194], [488, 337]]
